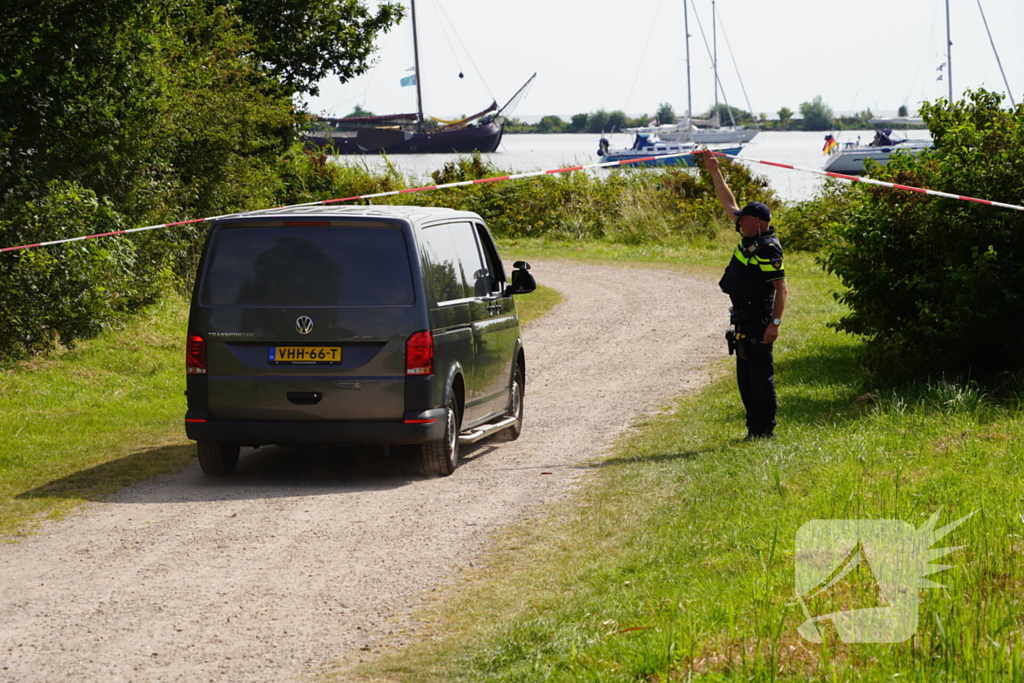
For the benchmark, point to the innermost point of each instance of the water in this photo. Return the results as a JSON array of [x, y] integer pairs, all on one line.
[[535, 152]]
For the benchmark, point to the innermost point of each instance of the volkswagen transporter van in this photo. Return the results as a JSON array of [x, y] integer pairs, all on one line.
[[371, 324]]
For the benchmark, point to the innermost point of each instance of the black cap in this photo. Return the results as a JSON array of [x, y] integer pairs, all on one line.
[[757, 210]]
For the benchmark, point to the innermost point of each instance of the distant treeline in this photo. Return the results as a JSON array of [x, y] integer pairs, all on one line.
[[814, 116]]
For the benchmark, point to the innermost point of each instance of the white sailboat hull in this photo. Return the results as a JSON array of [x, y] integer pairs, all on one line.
[[713, 136], [851, 161]]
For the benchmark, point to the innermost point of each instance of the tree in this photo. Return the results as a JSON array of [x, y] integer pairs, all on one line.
[[865, 115], [785, 114], [727, 114], [934, 284], [551, 124], [597, 121], [617, 120], [902, 111], [358, 112], [302, 41], [116, 113], [128, 98], [817, 115], [580, 123], [666, 113]]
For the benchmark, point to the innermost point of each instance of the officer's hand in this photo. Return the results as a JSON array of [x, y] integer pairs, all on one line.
[[771, 334], [710, 160]]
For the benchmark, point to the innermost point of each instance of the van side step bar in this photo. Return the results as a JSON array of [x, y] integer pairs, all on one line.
[[486, 430]]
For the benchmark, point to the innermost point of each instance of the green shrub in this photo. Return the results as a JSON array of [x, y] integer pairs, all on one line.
[[627, 206], [54, 295], [810, 225], [935, 284]]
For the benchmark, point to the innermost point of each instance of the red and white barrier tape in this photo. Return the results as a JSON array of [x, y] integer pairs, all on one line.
[[531, 174], [872, 181]]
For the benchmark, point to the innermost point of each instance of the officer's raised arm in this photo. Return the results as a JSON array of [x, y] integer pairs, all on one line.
[[725, 196]]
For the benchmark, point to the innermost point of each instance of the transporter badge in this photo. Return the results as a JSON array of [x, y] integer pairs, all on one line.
[[862, 576]]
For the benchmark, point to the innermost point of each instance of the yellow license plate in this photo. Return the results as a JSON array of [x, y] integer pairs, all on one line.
[[305, 355]]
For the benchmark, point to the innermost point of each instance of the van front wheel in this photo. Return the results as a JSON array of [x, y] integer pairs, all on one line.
[[440, 458], [217, 459], [516, 400]]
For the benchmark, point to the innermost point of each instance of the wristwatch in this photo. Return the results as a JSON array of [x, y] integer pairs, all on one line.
[[776, 321]]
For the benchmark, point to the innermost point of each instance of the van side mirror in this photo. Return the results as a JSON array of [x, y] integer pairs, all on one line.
[[522, 280]]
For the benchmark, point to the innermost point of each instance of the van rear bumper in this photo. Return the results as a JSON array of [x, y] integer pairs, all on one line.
[[416, 427]]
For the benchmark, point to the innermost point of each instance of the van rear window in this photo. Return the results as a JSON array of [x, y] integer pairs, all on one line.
[[307, 266]]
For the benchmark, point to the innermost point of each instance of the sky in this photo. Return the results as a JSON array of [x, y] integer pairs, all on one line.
[[604, 54]]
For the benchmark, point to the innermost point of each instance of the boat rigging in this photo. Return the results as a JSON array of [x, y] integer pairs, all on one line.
[[413, 133]]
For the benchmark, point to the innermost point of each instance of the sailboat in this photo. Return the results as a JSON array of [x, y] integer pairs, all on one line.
[[669, 144], [849, 158], [690, 129], [409, 133]]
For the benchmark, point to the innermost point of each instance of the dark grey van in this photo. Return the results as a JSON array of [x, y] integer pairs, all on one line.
[[371, 324]]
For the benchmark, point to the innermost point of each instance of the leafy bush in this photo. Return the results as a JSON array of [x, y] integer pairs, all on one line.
[[627, 206], [54, 295], [810, 225], [937, 285]]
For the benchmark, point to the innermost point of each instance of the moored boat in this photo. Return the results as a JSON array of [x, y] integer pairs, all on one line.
[[400, 134], [411, 133], [849, 158], [649, 150]]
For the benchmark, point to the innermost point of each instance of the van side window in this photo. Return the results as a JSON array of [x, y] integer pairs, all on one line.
[[494, 267], [474, 272], [441, 264]]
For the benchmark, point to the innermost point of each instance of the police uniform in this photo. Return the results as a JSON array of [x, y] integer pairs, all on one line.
[[754, 266]]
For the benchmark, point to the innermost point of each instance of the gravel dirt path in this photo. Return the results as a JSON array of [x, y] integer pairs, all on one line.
[[307, 558]]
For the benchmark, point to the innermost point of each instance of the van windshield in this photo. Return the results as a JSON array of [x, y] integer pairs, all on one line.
[[307, 266]]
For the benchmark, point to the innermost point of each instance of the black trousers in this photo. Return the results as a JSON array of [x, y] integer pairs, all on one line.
[[755, 375]]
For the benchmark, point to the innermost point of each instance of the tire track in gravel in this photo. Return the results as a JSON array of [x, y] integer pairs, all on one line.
[[307, 557]]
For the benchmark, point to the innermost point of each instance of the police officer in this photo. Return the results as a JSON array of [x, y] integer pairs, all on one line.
[[756, 283]]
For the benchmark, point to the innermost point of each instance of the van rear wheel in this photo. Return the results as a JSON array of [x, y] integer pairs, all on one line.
[[217, 459], [440, 458]]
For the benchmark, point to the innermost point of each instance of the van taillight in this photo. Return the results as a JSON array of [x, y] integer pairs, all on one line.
[[419, 354], [195, 355]]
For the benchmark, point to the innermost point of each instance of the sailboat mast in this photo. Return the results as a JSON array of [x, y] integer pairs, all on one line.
[[998, 61], [714, 55], [949, 55], [416, 56], [689, 94]]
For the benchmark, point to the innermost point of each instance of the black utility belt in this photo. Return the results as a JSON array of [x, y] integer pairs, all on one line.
[[759, 309]]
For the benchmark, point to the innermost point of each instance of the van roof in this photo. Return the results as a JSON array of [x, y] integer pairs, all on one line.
[[413, 214]]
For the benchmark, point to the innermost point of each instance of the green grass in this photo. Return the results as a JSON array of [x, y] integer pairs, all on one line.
[[676, 560], [81, 425], [698, 256], [535, 304]]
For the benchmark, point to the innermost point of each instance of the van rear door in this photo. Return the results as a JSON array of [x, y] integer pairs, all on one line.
[[306, 320]]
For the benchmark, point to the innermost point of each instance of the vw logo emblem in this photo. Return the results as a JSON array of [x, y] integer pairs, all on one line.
[[304, 324]]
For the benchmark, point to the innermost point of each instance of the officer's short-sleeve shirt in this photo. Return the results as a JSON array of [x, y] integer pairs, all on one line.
[[768, 260], [755, 265]]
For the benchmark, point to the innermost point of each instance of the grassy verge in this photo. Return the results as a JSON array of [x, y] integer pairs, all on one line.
[[537, 303], [676, 561], [81, 425], [697, 256]]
